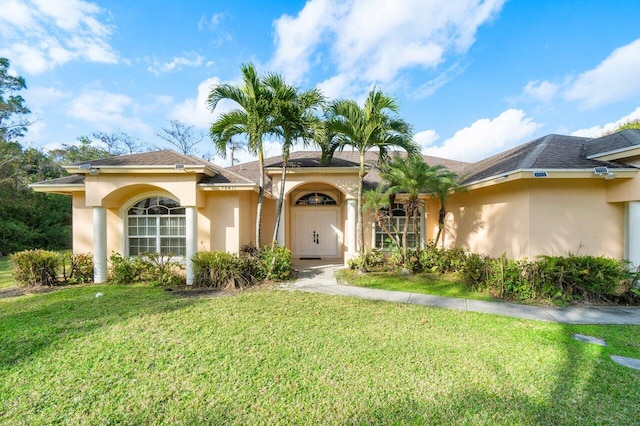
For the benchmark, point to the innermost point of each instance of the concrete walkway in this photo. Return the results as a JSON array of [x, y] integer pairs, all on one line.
[[317, 277]]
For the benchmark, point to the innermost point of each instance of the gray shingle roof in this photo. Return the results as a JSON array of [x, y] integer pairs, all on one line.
[[165, 157], [625, 139], [340, 159], [67, 180], [547, 153]]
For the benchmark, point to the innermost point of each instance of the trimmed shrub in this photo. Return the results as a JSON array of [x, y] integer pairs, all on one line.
[[443, 260], [222, 270], [275, 263], [152, 268], [80, 268], [125, 270], [373, 261], [35, 267]]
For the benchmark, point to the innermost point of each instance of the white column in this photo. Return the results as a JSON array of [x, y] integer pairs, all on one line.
[[352, 250], [423, 222], [283, 222], [191, 219], [99, 244], [632, 232]]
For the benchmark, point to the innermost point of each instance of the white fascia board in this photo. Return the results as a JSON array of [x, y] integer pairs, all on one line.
[[615, 151], [505, 175]]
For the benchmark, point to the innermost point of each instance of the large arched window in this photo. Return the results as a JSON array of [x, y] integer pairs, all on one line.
[[157, 225]]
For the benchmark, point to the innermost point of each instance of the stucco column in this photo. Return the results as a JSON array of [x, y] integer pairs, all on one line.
[[283, 215], [422, 224], [632, 228], [352, 250], [191, 222], [99, 244]]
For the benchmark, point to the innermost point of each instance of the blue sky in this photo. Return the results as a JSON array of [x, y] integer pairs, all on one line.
[[473, 77]]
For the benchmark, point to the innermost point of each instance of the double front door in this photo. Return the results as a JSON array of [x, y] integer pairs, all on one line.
[[315, 232]]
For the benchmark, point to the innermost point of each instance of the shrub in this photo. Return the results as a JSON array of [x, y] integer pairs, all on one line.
[[153, 268], [80, 268], [443, 260], [159, 270], [274, 263], [35, 267], [222, 270], [371, 261], [125, 270]]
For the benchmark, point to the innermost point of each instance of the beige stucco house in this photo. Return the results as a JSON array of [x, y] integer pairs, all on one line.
[[554, 195]]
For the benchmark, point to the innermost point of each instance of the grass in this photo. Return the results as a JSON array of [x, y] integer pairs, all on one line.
[[140, 355], [427, 283], [6, 280]]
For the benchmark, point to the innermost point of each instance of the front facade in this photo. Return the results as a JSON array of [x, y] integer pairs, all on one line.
[[554, 195]]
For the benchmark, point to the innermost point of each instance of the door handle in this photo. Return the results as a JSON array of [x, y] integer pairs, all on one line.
[[316, 237]]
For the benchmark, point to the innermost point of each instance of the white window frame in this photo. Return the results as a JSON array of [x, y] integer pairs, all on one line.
[[400, 221]]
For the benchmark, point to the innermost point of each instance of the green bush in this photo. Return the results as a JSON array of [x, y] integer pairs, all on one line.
[[223, 270], [370, 262], [35, 267], [443, 260], [274, 263], [151, 268], [125, 270], [77, 268]]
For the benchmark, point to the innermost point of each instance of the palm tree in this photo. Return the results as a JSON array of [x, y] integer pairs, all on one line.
[[411, 177], [294, 119], [446, 184], [326, 139], [377, 200], [374, 126], [253, 118]]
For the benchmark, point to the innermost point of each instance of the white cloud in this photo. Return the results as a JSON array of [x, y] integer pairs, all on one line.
[[107, 111], [374, 41], [210, 23], [541, 91], [486, 137], [194, 111], [38, 35], [597, 131], [189, 60], [426, 138], [614, 79]]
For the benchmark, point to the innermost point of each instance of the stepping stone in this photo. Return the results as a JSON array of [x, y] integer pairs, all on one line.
[[627, 362], [589, 339]]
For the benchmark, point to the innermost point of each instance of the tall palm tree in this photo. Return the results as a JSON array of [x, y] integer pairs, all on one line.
[[252, 118], [294, 119], [446, 184], [374, 126]]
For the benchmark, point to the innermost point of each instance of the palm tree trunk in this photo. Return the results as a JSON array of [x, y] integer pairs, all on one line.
[[283, 180], [360, 224], [260, 200], [441, 215]]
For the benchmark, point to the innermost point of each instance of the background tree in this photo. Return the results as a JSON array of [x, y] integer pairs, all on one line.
[[14, 114], [631, 124], [252, 118], [86, 150], [181, 136], [372, 127]]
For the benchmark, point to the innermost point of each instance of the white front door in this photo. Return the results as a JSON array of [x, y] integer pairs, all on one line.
[[315, 232]]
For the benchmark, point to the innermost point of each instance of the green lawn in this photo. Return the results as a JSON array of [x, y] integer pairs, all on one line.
[[141, 355], [426, 283], [6, 280]]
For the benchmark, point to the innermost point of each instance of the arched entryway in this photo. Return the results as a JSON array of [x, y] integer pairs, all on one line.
[[316, 225]]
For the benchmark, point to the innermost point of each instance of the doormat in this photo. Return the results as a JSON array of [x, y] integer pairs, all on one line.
[[310, 258]]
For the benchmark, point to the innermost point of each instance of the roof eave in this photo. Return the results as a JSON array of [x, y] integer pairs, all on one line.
[[148, 169], [616, 154], [64, 189], [588, 173], [315, 170]]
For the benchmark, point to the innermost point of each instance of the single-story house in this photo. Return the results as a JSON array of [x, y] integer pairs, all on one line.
[[553, 195]]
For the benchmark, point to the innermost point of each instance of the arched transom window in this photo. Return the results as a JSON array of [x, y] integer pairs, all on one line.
[[316, 199], [157, 225]]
